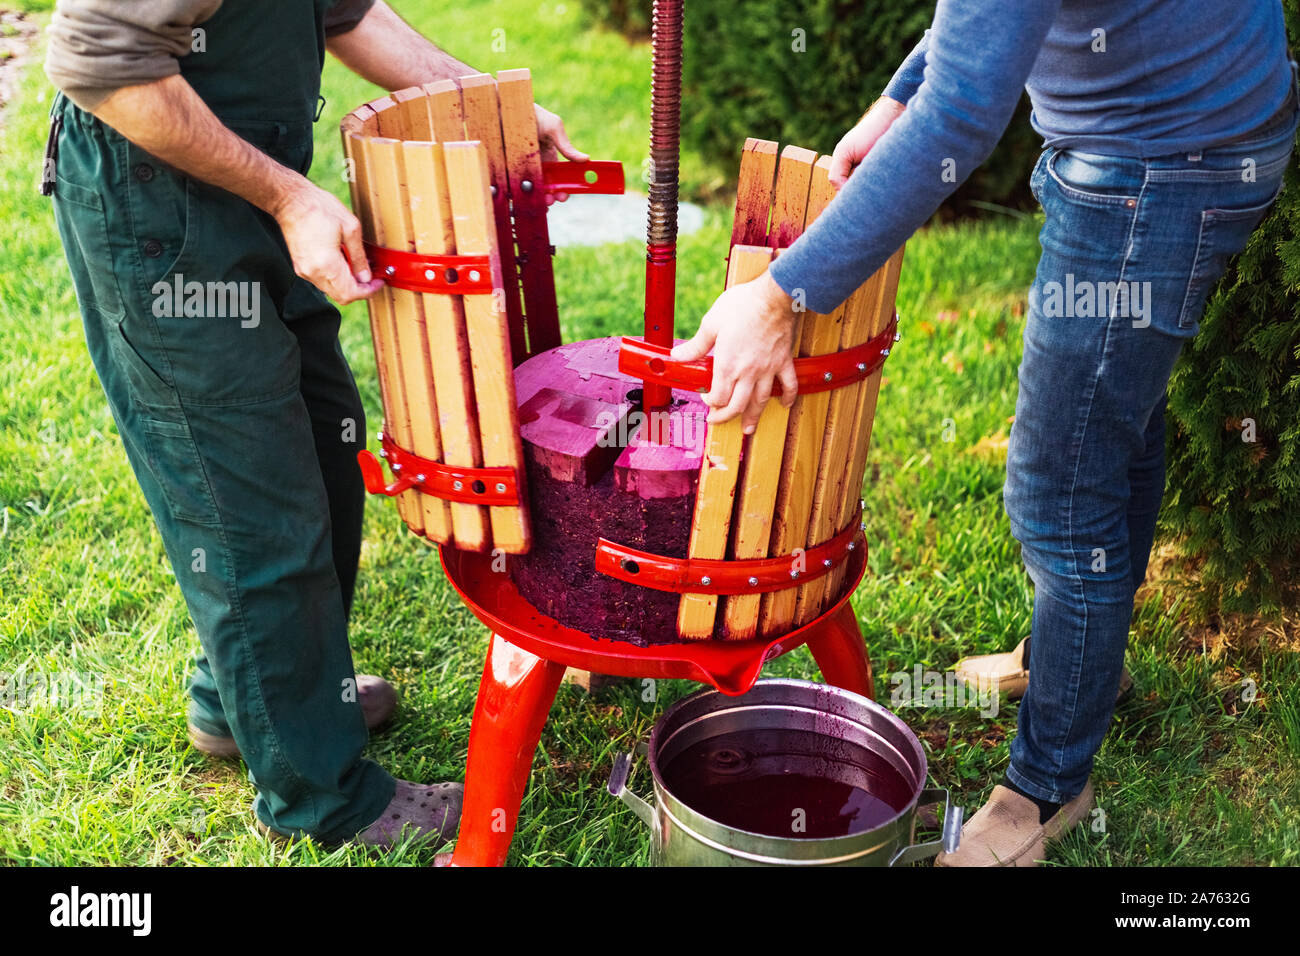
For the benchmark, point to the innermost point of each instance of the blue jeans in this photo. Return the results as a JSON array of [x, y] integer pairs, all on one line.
[[1130, 250]]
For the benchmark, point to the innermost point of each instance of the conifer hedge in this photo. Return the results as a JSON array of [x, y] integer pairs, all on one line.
[[1233, 497]]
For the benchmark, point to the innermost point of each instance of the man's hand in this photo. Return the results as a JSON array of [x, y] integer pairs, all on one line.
[[852, 149], [168, 119], [553, 139], [384, 49], [318, 229], [750, 329]]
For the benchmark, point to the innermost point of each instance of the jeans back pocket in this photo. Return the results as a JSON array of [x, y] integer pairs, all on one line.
[[1223, 234]]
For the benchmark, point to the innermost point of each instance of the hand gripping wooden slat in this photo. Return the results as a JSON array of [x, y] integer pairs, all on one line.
[[761, 467], [719, 471], [494, 383]]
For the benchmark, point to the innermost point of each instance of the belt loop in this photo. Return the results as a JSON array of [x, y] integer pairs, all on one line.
[[50, 163], [320, 108]]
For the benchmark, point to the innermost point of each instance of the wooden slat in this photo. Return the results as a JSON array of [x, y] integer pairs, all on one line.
[[719, 471], [762, 463], [494, 381], [754, 193], [396, 422], [482, 116], [839, 443], [392, 204], [353, 122], [865, 414], [447, 342], [412, 107], [446, 115], [389, 122], [794, 497], [524, 163]]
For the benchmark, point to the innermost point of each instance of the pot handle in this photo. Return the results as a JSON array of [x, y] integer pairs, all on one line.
[[618, 788], [948, 841]]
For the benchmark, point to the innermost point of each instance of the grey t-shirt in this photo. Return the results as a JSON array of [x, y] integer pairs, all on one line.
[[98, 46], [1127, 77]]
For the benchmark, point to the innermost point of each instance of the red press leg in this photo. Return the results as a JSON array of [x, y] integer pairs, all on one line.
[[514, 698], [841, 653]]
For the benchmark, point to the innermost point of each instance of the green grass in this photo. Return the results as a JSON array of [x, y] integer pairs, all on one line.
[[1191, 773]]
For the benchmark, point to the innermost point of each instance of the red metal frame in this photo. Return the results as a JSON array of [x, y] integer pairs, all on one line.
[[750, 576], [650, 362], [444, 275], [526, 659], [660, 288], [476, 486], [563, 176]]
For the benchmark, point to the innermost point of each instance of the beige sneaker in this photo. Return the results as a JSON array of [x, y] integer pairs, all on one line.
[[1006, 832], [1006, 673]]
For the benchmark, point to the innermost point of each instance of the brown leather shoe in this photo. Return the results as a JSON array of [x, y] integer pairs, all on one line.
[[1006, 832], [1006, 673], [418, 812], [377, 697]]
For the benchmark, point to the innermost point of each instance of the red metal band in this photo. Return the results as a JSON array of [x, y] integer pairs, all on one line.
[[476, 486], [596, 176], [817, 373], [446, 275], [756, 576]]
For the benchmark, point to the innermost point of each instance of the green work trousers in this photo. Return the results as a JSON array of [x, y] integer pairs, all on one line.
[[242, 421]]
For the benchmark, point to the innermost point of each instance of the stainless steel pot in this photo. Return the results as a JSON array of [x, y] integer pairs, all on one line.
[[683, 836]]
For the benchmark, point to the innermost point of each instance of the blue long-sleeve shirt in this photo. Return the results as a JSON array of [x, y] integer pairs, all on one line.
[[1126, 77]]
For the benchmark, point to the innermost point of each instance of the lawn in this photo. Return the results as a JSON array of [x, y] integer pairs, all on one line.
[[1201, 766]]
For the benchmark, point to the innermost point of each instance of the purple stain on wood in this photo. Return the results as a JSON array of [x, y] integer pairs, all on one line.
[[558, 575]]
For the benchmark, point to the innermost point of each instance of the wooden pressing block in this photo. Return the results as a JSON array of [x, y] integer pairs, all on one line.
[[591, 474], [392, 205], [793, 510], [383, 333], [489, 340], [762, 460], [572, 411], [447, 342], [528, 202], [865, 413], [719, 471]]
